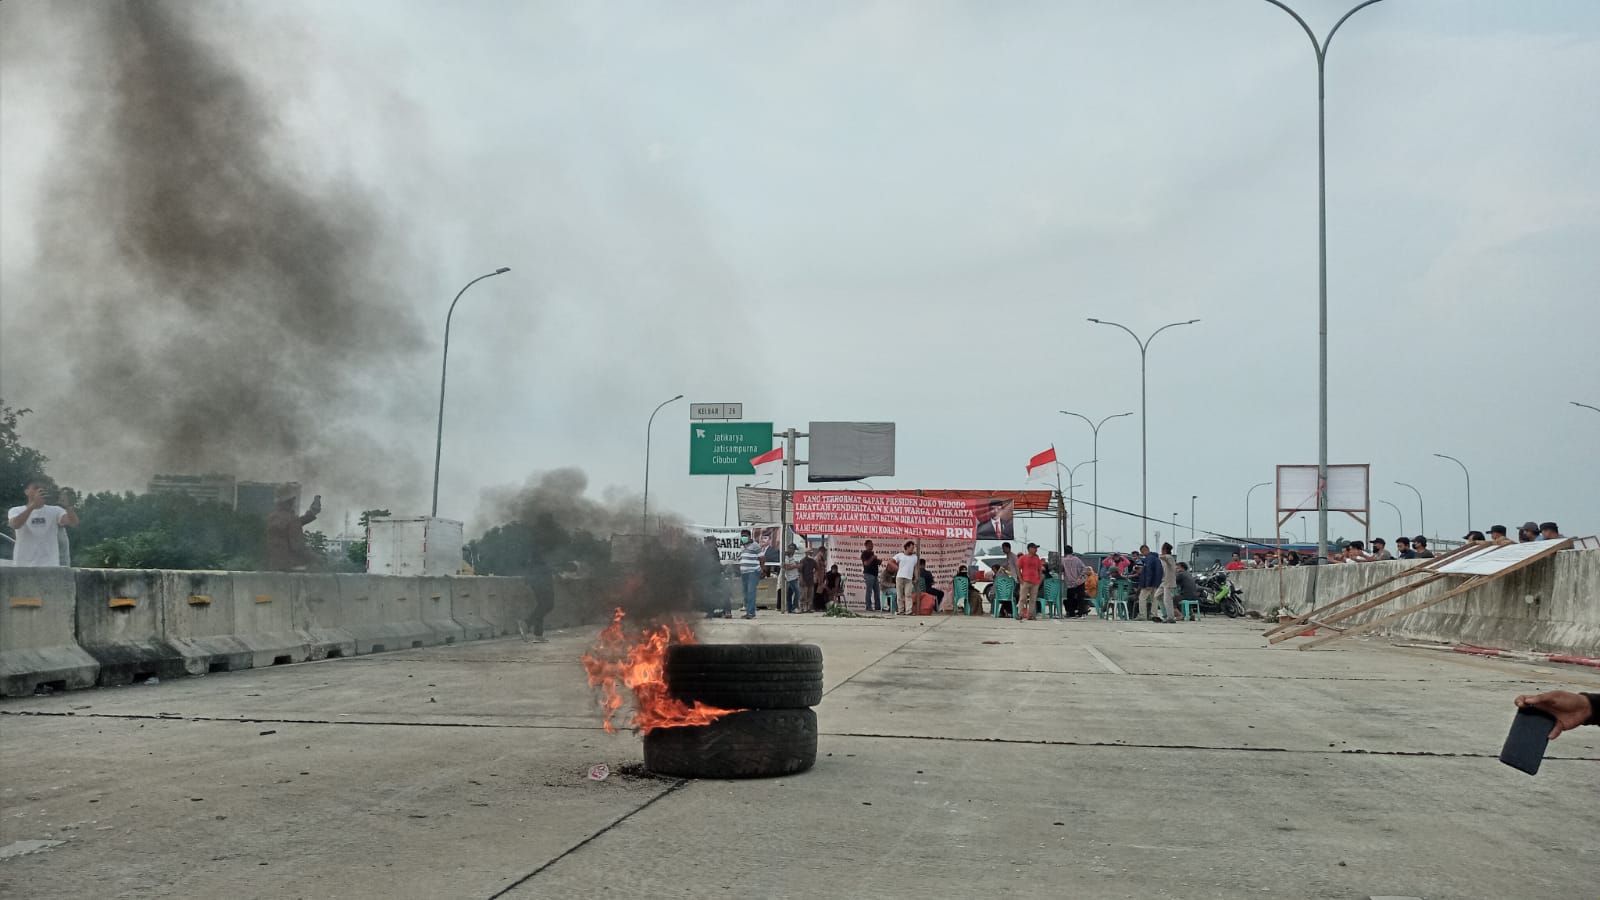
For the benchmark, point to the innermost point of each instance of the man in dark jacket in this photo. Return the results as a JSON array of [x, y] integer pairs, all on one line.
[[1150, 573]]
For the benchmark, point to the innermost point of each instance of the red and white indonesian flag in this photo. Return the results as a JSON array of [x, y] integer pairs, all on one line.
[[769, 463], [1041, 465]]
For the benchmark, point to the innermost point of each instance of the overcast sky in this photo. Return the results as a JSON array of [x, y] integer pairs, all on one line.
[[906, 211]]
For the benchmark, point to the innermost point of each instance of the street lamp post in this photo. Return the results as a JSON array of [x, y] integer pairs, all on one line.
[[1304, 539], [644, 517], [444, 367], [1072, 473], [1144, 417], [1095, 426], [1398, 514], [1191, 515], [1422, 514], [1321, 49], [1247, 535], [1469, 484]]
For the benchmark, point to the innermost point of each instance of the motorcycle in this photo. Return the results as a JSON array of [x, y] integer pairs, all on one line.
[[1219, 595]]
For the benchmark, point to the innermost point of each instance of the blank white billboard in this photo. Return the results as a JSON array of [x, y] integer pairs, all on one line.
[[1347, 488]]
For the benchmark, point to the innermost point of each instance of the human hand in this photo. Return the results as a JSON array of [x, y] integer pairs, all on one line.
[[1570, 710], [316, 503]]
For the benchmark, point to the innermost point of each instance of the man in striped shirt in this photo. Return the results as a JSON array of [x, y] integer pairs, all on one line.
[[750, 563]]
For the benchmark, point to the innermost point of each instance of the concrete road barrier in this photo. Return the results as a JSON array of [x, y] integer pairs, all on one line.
[[197, 619], [120, 624], [434, 598], [269, 619], [317, 612], [467, 593], [381, 613], [38, 642]]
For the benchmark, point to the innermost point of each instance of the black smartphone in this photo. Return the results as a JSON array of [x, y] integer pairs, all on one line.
[[1530, 734]]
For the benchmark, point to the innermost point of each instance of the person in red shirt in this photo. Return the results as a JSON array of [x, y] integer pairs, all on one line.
[[1031, 569], [1236, 566]]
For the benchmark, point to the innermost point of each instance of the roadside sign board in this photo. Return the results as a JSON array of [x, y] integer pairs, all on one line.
[[726, 448], [716, 410]]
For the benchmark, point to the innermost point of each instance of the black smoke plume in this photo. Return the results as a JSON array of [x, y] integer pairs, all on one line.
[[208, 304]]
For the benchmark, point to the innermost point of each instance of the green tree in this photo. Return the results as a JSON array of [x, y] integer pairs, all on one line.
[[168, 531], [357, 553], [18, 462]]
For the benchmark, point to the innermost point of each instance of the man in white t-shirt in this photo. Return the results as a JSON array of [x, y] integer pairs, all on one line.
[[38, 527], [905, 580]]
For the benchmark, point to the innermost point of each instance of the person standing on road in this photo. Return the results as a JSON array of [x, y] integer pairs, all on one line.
[[1550, 531], [791, 579], [1235, 565], [751, 558], [1074, 576], [809, 572], [1380, 551], [1169, 582], [1030, 571], [714, 586], [869, 573], [1149, 581], [1419, 546], [1011, 557], [38, 525], [905, 579], [286, 536]]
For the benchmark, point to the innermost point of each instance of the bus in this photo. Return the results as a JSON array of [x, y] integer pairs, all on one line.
[[1203, 556]]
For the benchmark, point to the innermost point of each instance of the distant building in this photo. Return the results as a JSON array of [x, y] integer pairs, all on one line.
[[250, 497], [256, 497], [214, 488]]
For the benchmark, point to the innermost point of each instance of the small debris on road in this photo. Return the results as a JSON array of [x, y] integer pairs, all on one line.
[[271, 731], [599, 772]]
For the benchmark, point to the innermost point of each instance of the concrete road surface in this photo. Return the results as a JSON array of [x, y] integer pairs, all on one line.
[[959, 758]]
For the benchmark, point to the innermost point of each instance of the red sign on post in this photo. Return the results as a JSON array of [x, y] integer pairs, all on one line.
[[884, 514]]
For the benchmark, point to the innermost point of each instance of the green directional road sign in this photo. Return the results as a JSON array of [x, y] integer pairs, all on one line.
[[726, 448]]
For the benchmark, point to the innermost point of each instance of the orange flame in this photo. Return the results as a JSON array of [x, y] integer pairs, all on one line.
[[639, 664]]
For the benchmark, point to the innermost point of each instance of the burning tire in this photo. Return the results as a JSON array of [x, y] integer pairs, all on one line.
[[756, 743], [746, 676]]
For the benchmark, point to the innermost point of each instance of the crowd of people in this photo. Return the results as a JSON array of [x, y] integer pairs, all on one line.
[[1404, 547]]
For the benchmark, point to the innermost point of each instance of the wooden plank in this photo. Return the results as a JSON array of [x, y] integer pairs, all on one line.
[[1475, 581], [1363, 606], [1426, 568]]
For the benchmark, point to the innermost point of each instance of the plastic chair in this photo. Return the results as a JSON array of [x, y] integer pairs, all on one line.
[[960, 593], [1050, 598], [887, 594], [1005, 591], [1117, 602], [1190, 609]]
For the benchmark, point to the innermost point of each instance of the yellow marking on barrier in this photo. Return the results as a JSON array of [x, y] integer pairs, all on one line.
[[359, 599], [263, 598], [199, 600], [27, 601], [438, 596], [123, 602]]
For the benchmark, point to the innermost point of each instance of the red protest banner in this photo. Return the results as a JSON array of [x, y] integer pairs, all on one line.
[[892, 515]]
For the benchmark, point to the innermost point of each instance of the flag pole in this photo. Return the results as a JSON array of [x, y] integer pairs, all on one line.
[[1061, 504]]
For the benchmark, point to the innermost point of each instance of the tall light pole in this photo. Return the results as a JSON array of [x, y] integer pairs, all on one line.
[[1585, 405], [1096, 428], [444, 368], [1247, 535], [1144, 418], [644, 517], [1191, 515], [1398, 514], [1321, 49], [1303, 538], [1422, 514], [1072, 473], [1469, 484]]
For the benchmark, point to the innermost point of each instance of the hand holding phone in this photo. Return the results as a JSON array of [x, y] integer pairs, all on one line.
[[1530, 735]]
